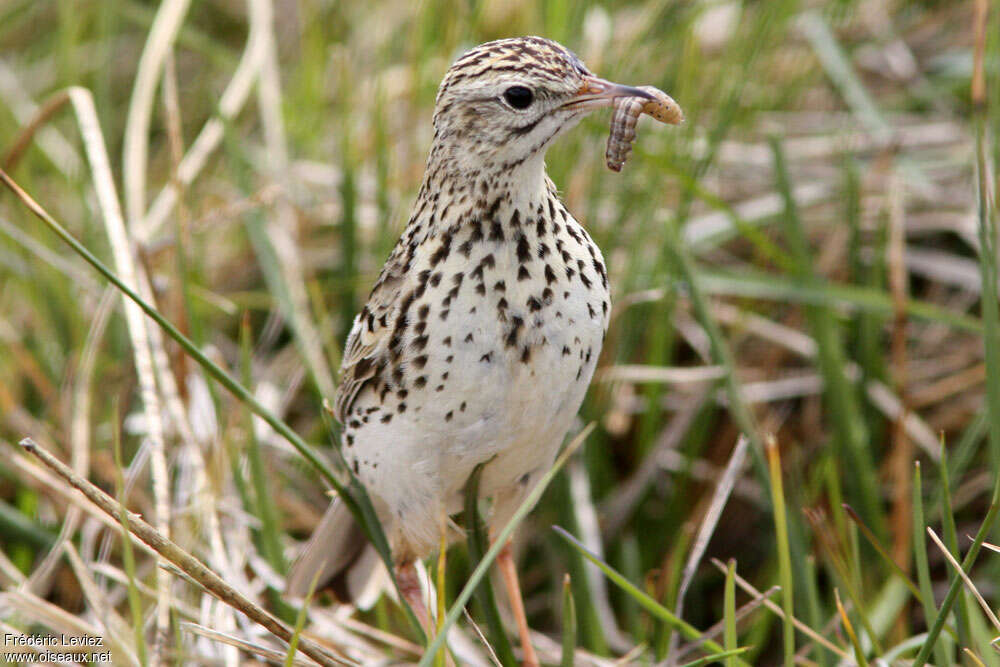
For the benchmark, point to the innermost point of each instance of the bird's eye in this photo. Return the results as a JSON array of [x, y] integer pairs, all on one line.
[[519, 97]]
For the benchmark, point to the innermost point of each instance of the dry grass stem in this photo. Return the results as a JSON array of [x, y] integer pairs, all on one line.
[[187, 563]]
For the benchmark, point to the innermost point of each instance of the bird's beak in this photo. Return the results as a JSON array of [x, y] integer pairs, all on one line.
[[596, 93]]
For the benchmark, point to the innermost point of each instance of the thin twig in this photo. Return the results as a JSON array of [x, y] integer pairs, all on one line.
[[965, 578], [708, 524], [184, 561]]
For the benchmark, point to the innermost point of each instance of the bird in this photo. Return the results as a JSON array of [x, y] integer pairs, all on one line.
[[482, 331]]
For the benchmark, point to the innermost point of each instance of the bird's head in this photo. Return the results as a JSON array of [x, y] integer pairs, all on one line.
[[503, 103]]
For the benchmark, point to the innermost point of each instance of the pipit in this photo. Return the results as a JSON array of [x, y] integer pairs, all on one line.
[[481, 334]]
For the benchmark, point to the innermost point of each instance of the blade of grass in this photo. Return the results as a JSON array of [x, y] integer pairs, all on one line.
[[760, 285], [135, 145], [873, 540], [716, 657], [439, 659], [963, 453], [985, 215], [859, 653], [300, 622], [815, 613], [659, 611], [231, 101], [269, 534], [592, 634], [16, 527], [721, 354], [943, 649], [708, 525], [845, 565], [729, 605], [973, 657], [951, 535], [631, 566], [477, 541], [280, 230], [740, 613], [278, 259], [128, 557], [784, 553], [264, 499], [499, 542], [568, 624]]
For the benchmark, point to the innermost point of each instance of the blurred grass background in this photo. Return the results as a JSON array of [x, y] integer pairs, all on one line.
[[809, 257]]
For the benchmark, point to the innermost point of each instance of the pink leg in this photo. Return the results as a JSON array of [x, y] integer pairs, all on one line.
[[505, 561], [409, 586]]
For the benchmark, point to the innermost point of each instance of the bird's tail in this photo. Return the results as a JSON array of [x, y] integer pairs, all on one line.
[[338, 557]]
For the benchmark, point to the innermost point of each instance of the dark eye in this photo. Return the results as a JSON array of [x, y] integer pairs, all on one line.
[[519, 97]]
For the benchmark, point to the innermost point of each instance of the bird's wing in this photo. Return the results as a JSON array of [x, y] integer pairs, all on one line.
[[369, 337]]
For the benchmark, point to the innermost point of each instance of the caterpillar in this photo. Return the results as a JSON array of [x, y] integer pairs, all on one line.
[[625, 116]]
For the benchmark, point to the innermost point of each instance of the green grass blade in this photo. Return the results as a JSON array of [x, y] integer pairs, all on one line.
[[775, 287], [568, 625], [300, 622], [883, 554], [128, 556], [687, 630], [729, 605], [264, 499], [942, 650], [987, 228], [784, 553], [951, 539], [269, 534], [16, 527], [845, 621], [709, 659], [477, 542], [816, 618]]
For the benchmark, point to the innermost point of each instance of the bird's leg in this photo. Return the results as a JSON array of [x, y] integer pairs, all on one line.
[[505, 561], [409, 587]]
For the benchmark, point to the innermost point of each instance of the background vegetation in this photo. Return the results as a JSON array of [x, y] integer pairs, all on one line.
[[810, 261]]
